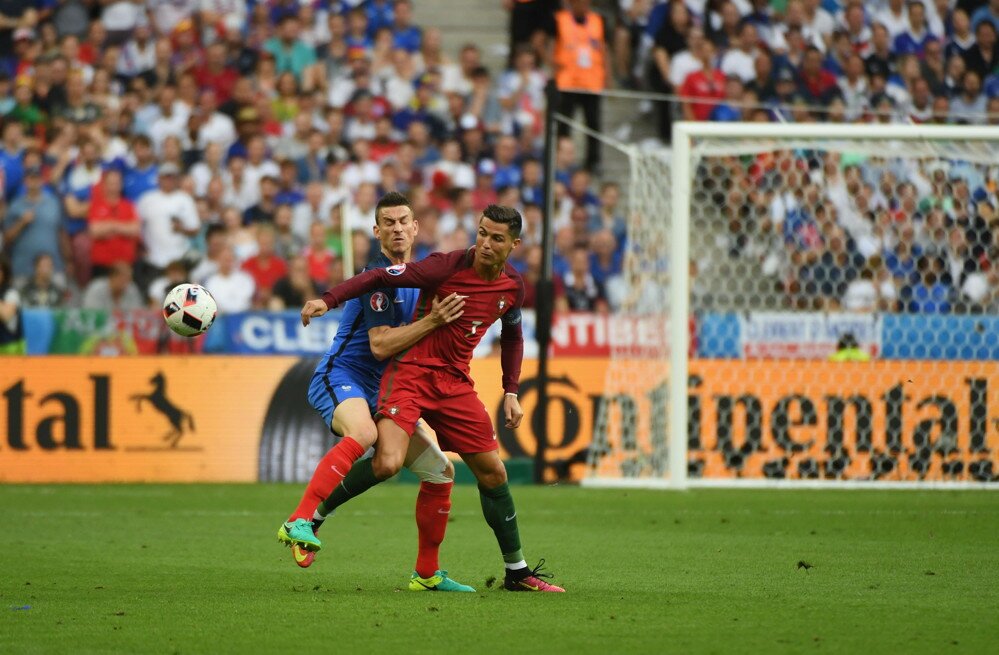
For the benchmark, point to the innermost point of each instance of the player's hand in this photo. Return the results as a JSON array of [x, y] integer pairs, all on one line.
[[511, 409], [313, 309], [447, 310]]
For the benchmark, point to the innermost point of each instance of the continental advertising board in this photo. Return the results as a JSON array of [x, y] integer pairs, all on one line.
[[243, 419]]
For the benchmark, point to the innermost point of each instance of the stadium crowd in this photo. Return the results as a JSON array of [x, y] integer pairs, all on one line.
[[235, 142]]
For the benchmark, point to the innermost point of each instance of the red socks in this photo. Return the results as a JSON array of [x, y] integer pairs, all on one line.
[[433, 505], [330, 471]]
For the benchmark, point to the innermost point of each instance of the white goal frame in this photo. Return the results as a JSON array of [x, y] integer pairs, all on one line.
[[684, 133]]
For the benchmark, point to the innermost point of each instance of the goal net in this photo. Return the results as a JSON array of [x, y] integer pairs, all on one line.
[[808, 305]]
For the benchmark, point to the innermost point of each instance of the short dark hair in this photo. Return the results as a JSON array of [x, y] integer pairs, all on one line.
[[213, 229], [507, 215], [392, 199]]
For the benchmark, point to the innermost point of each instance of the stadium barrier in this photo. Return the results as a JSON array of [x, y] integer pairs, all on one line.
[[730, 335], [243, 419]]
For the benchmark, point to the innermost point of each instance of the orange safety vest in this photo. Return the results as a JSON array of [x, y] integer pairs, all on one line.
[[579, 55]]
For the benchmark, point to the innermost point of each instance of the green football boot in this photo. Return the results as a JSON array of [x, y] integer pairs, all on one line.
[[437, 582], [299, 532]]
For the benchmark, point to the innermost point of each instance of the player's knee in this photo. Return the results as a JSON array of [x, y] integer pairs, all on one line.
[[432, 466], [385, 465], [366, 435], [492, 477]]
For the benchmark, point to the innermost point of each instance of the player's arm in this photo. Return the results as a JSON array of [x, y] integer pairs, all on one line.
[[512, 356], [419, 275], [388, 341]]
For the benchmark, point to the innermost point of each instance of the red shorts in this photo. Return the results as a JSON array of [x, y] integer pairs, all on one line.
[[445, 400]]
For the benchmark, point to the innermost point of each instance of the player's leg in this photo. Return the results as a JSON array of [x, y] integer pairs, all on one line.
[[362, 476], [329, 397], [463, 425], [433, 507], [501, 515]]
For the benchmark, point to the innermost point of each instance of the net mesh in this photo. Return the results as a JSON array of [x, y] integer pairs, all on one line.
[[843, 305]]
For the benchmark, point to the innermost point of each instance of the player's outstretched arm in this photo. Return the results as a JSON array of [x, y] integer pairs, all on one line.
[[389, 341], [427, 274]]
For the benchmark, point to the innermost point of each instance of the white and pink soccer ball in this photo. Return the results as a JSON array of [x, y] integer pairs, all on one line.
[[189, 310]]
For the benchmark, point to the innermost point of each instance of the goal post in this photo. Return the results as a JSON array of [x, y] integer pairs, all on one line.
[[830, 307]]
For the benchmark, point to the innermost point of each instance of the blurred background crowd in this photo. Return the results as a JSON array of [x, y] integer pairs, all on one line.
[[231, 142]]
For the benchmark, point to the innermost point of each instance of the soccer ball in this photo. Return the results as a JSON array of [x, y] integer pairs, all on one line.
[[189, 310]]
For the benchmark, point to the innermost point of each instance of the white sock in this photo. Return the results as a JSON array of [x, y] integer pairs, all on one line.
[[516, 565]]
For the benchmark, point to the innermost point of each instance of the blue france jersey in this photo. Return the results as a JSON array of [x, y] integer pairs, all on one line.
[[351, 351]]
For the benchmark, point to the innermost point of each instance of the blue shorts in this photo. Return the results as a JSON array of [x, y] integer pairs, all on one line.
[[326, 391]]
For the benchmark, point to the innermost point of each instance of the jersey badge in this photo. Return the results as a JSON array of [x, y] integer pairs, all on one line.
[[502, 303], [398, 269], [379, 301]]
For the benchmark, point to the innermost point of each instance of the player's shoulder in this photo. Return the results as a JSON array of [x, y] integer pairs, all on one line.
[[513, 274], [378, 261]]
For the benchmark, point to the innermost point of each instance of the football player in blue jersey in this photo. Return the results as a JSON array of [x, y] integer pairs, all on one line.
[[344, 390]]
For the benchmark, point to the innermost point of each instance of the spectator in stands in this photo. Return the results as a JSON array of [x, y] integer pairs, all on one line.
[[707, 84], [969, 106], [672, 60], [532, 274], [11, 324], [114, 292], [265, 267], [582, 292], [731, 107], [360, 214], [817, 85], [232, 288], [318, 254], [983, 57], [928, 294], [169, 219], [913, 39], [10, 159], [33, 225], [44, 289], [290, 53], [286, 241], [113, 225], [581, 62], [140, 175], [739, 58], [861, 293], [292, 290], [177, 272], [522, 94], [532, 22], [216, 240], [266, 208], [607, 259]]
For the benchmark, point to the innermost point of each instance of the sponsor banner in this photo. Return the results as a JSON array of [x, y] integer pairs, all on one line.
[[277, 333], [912, 336], [899, 421], [98, 332], [796, 335], [125, 419], [242, 419]]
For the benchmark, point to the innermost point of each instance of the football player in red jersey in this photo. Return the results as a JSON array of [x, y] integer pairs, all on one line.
[[431, 379]]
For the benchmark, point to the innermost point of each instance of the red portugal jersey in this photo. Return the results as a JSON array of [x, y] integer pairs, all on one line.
[[451, 345]]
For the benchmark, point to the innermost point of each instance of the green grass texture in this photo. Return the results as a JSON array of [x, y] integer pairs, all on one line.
[[198, 569]]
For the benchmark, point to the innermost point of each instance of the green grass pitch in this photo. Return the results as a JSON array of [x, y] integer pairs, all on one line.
[[197, 569]]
